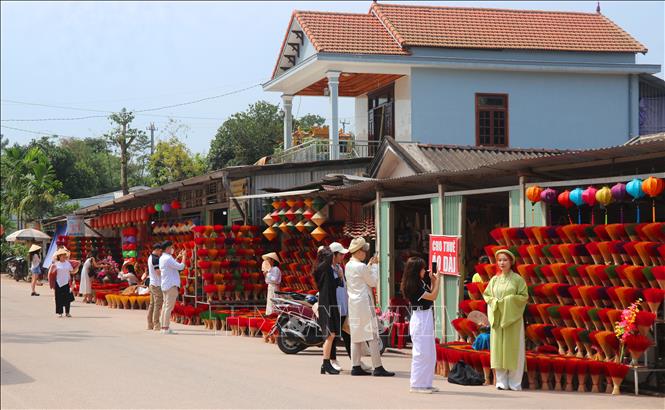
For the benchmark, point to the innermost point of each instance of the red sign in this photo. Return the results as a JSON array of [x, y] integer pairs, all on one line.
[[444, 250]]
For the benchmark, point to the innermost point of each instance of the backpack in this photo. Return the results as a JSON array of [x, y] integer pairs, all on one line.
[[465, 375]]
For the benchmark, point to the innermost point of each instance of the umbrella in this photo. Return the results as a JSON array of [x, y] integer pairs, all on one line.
[[28, 235]]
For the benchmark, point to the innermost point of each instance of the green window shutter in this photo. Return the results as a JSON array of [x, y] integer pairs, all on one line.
[[385, 256]]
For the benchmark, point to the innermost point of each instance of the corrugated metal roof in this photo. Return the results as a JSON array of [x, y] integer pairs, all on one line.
[[434, 158]]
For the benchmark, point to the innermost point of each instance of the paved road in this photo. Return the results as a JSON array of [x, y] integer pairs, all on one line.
[[102, 358]]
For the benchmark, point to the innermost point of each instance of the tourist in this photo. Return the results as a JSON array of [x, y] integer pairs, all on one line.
[[35, 267], [87, 273], [506, 296], [339, 252], [476, 276], [421, 325], [360, 280], [60, 280], [128, 273], [328, 311], [170, 282], [154, 284], [273, 279]]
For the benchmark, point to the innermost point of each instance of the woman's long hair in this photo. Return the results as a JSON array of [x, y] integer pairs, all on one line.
[[411, 277], [323, 263]]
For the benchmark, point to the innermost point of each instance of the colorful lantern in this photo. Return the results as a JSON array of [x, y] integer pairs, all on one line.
[[283, 227], [270, 234], [653, 187], [291, 202], [309, 202], [634, 188], [268, 219], [318, 204], [175, 205], [308, 214], [300, 226], [166, 208], [576, 196], [604, 196], [318, 219], [290, 214], [564, 199], [548, 196], [319, 233], [533, 193], [275, 204], [150, 209], [618, 191], [158, 207], [310, 226], [589, 196]]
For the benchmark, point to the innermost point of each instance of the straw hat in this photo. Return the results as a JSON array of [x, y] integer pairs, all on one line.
[[61, 251], [358, 244], [34, 248], [506, 252], [271, 255]]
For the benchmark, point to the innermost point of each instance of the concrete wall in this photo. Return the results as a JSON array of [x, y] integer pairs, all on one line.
[[403, 109], [360, 118], [553, 110]]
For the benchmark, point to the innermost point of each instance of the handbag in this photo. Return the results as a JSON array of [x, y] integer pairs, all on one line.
[[71, 296], [465, 375]]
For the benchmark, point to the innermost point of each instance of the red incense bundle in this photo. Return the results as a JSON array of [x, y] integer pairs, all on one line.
[[531, 371], [544, 368], [637, 345], [617, 372], [582, 369], [485, 362], [644, 321], [595, 370], [559, 366], [571, 371], [654, 298]]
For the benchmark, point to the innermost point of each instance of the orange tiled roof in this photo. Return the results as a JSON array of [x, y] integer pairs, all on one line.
[[347, 33], [453, 27]]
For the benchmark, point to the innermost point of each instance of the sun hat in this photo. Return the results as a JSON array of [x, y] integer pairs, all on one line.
[[61, 251], [34, 248], [271, 255], [506, 252], [358, 244], [337, 247]]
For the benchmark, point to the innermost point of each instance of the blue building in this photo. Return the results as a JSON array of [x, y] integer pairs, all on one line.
[[468, 76]]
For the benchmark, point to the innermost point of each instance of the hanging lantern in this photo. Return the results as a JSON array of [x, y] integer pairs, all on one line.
[[533, 193], [175, 205], [282, 204], [653, 187], [589, 196], [300, 203], [634, 188], [308, 214], [291, 226], [299, 213], [291, 202], [158, 207], [564, 199], [275, 204], [576, 196], [310, 226], [548, 196], [309, 202], [150, 210], [604, 196], [166, 208], [618, 191], [319, 233], [275, 216], [290, 214], [318, 219], [283, 227], [268, 219], [300, 226], [270, 234], [144, 215], [282, 214]]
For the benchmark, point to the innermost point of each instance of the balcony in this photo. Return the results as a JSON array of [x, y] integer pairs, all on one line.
[[319, 150]]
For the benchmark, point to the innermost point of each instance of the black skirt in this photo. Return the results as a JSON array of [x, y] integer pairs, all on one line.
[[329, 320]]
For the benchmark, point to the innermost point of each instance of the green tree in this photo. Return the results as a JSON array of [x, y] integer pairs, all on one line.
[[41, 186], [173, 161], [306, 122], [125, 138], [247, 136]]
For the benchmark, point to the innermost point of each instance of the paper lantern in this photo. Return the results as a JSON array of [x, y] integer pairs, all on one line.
[[319, 233], [634, 188], [290, 214], [308, 214], [653, 186], [175, 204], [300, 226], [533, 193], [166, 208], [291, 226], [548, 196], [618, 191], [318, 219], [150, 209], [299, 213], [291, 202], [564, 199], [283, 227], [282, 215], [158, 207], [604, 196], [310, 226], [309, 202], [268, 219], [576, 196], [589, 196], [275, 204]]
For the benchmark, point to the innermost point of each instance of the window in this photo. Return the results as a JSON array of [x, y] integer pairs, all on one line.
[[492, 120]]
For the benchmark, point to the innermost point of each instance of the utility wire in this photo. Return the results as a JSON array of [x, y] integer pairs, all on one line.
[[37, 132]]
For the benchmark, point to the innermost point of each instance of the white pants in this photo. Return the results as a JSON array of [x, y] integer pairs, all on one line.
[[374, 349], [423, 353], [512, 379], [271, 294]]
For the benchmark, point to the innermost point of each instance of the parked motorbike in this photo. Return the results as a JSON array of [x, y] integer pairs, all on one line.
[[17, 268], [296, 325]]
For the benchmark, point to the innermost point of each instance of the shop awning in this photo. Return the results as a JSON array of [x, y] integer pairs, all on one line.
[[276, 194]]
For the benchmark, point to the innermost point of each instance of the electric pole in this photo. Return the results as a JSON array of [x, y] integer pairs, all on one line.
[[344, 126], [152, 129]]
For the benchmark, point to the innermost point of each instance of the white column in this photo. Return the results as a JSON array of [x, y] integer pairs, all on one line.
[[333, 136], [287, 101]]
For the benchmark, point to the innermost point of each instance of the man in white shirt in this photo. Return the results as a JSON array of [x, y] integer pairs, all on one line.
[[170, 282], [156, 297]]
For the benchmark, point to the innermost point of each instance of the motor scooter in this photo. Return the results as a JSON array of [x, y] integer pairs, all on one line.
[[17, 268]]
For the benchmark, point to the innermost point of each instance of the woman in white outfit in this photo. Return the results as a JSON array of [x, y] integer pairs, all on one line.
[[273, 279], [421, 326], [87, 273]]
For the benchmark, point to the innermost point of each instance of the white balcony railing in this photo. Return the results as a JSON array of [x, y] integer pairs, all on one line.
[[319, 150]]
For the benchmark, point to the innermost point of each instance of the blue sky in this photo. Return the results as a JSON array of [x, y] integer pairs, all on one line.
[[102, 56]]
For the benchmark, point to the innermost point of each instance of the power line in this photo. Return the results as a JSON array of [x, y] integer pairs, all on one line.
[[38, 132], [139, 112]]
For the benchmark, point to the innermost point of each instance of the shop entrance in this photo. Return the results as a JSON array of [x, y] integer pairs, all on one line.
[[411, 229], [483, 213]]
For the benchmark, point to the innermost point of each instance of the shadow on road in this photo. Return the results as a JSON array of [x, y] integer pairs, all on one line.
[[47, 337], [12, 375]]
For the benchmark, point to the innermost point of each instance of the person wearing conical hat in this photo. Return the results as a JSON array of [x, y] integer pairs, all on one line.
[[35, 266], [273, 279], [506, 296]]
